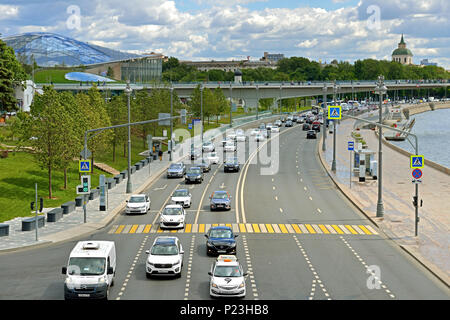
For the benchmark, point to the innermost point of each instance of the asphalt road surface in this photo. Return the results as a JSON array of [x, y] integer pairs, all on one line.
[[299, 239]]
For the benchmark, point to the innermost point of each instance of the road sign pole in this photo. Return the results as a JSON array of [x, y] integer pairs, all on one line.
[[84, 207], [36, 216], [350, 177]]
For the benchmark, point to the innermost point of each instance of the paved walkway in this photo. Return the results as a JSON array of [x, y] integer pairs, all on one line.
[[432, 245]]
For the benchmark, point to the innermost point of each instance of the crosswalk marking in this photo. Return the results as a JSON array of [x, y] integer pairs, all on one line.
[[296, 228], [280, 228]]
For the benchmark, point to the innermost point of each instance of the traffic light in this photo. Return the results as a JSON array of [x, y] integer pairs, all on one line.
[[85, 183], [41, 204]]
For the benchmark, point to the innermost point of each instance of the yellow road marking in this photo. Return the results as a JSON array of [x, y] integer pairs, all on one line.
[[133, 229], [351, 229], [269, 228], [228, 225], [310, 229], [119, 229], [188, 228], [215, 225], [283, 228], [201, 228], [241, 227], [325, 230], [147, 228], [296, 228], [160, 230], [256, 228]]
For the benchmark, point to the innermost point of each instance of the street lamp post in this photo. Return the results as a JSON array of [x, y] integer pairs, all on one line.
[[257, 101], [171, 121], [380, 89], [281, 88], [325, 109], [128, 91], [333, 164], [231, 106], [201, 113]]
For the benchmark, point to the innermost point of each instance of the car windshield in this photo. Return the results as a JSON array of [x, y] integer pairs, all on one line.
[[227, 271], [175, 166], [172, 212], [136, 200], [220, 195], [212, 154], [195, 171], [86, 266], [164, 250], [181, 193], [221, 233], [231, 160]]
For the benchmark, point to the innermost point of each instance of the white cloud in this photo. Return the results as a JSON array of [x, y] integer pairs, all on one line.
[[8, 11]]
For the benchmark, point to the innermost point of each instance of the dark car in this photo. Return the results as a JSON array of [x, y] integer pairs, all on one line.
[[220, 240], [231, 164], [195, 154], [311, 134], [316, 126], [220, 200], [288, 123], [202, 163], [306, 127], [176, 170], [194, 174]]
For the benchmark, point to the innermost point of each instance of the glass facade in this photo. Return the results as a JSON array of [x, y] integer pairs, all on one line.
[[51, 49], [141, 70]]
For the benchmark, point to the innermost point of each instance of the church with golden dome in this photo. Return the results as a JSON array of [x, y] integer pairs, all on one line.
[[402, 54]]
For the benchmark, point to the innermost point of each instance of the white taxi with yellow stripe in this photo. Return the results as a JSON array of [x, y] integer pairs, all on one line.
[[227, 279]]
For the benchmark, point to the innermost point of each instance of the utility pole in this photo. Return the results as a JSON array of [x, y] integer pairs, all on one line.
[[201, 112], [231, 105], [171, 121], [257, 101]]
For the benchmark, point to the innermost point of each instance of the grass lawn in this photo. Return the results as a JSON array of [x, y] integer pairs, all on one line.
[[52, 75], [18, 174]]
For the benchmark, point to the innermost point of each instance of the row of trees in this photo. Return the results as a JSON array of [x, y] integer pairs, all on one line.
[[302, 69], [54, 129]]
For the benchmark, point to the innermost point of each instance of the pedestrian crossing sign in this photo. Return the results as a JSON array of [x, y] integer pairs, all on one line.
[[334, 112], [85, 166], [417, 162]]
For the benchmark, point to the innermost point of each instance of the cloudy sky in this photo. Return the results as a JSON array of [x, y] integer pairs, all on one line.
[[234, 29]]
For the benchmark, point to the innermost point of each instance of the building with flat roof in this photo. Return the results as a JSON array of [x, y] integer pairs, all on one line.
[[425, 62], [272, 57], [229, 65]]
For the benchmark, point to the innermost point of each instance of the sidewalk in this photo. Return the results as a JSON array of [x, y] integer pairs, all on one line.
[[431, 246], [72, 224]]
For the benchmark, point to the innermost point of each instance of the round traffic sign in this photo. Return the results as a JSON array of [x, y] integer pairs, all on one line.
[[417, 173]]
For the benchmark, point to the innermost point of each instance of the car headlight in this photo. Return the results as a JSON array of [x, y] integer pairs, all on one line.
[[151, 264], [214, 285], [242, 284], [69, 283], [177, 262], [209, 244], [232, 245], [102, 280]]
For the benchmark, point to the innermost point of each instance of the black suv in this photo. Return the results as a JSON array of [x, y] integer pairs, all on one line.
[[231, 164]]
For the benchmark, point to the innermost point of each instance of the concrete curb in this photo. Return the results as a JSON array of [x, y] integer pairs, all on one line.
[[439, 274]]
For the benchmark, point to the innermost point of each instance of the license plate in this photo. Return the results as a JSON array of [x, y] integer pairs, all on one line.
[[84, 295], [163, 271], [221, 251]]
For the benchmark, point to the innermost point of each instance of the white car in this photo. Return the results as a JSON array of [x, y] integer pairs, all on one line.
[[260, 137], [231, 136], [241, 138], [275, 129], [138, 203], [230, 147], [208, 147], [173, 216], [182, 197], [254, 132], [226, 278], [239, 132], [213, 158], [165, 257], [269, 126]]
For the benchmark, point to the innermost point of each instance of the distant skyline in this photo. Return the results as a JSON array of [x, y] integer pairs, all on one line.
[[323, 30]]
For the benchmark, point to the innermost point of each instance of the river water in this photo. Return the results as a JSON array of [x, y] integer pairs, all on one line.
[[433, 130]]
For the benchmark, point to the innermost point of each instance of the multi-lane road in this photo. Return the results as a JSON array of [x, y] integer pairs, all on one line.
[[299, 238]]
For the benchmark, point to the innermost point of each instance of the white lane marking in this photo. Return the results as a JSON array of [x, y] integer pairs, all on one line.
[[281, 210], [276, 198], [320, 211]]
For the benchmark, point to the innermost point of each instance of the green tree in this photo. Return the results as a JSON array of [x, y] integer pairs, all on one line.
[[49, 130]]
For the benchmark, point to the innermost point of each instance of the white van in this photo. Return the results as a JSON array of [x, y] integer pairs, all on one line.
[[90, 270]]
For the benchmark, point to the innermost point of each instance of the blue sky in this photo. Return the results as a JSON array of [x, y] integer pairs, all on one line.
[[233, 29]]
